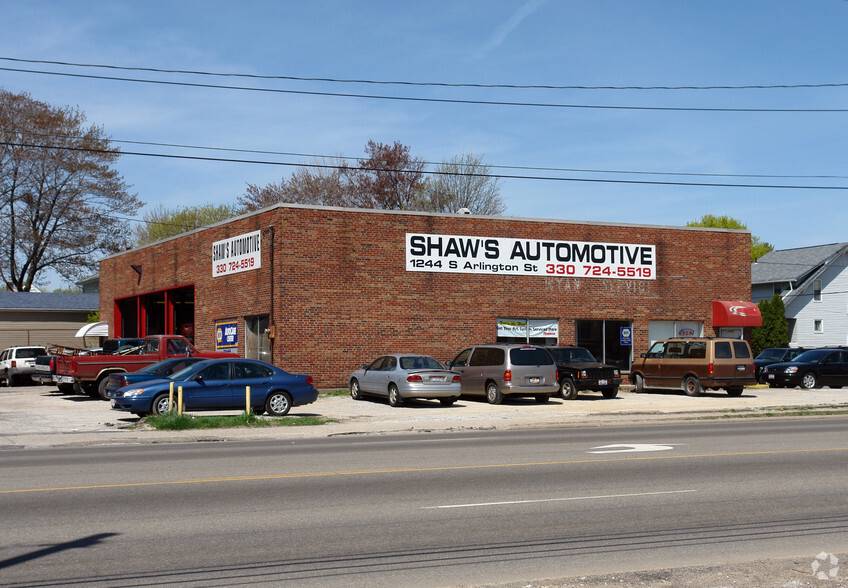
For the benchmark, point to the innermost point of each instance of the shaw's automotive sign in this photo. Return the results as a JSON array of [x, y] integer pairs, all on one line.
[[528, 257], [237, 254]]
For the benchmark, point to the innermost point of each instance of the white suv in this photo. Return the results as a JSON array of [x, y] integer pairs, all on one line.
[[19, 361]]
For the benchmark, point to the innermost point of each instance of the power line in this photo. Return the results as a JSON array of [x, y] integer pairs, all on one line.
[[488, 165], [436, 100], [424, 84], [465, 174]]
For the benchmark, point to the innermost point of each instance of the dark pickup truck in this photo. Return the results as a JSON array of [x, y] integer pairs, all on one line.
[[91, 372], [579, 370]]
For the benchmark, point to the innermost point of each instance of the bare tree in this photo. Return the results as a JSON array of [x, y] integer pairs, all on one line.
[[463, 181], [321, 183], [390, 178], [62, 205]]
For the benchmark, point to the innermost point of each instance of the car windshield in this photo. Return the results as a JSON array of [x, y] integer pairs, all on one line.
[[812, 356], [772, 354], [420, 363], [577, 354]]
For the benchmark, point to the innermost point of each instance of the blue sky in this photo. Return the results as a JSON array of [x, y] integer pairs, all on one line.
[[536, 42]]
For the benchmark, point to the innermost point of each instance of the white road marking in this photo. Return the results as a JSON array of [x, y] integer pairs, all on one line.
[[599, 497], [631, 448]]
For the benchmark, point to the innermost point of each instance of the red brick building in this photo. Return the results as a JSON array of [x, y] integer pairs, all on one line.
[[323, 290]]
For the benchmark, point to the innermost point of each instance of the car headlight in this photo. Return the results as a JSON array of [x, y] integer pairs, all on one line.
[[133, 392], [791, 369]]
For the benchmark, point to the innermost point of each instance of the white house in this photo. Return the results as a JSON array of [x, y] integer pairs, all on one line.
[[813, 283]]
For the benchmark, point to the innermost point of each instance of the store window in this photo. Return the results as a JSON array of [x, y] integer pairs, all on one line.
[[257, 344], [522, 330], [608, 341], [666, 329]]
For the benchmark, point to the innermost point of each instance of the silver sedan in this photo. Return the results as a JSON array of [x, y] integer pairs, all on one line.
[[406, 375]]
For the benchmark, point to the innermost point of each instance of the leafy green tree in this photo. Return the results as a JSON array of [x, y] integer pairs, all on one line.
[[162, 222], [775, 329], [62, 204], [758, 247]]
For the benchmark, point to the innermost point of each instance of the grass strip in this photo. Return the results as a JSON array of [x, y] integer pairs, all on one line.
[[173, 422]]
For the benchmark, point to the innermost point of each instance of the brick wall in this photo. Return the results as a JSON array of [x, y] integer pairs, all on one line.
[[342, 294]]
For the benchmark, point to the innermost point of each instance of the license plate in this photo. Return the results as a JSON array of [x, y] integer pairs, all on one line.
[[603, 382], [113, 403], [771, 376], [740, 368], [535, 380], [437, 378]]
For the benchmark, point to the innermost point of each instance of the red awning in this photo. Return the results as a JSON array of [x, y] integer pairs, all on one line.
[[736, 314]]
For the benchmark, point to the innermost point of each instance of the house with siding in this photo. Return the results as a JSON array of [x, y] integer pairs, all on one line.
[[41, 318], [813, 282]]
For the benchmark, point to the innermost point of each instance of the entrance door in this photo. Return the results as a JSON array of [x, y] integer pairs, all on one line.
[[604, 339], [257, 344]]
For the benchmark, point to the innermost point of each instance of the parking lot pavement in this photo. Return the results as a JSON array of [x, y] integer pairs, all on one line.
[[33, 416]]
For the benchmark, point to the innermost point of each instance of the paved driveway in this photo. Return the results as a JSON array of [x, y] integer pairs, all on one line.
[[41, 416]]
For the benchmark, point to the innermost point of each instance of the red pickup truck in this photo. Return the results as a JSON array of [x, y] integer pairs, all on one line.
[[88, 373]]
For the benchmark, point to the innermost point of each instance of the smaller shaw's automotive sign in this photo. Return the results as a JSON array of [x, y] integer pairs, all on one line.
[[528, 257], [237, 254]]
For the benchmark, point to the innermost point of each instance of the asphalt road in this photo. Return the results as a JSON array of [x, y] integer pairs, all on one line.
[[442, 509]]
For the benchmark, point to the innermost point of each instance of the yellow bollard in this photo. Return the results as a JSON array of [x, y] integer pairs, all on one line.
[[171, 398], [180, 401], [247, 399]]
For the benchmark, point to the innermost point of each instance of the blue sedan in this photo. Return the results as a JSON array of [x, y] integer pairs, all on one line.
[[219, 384]]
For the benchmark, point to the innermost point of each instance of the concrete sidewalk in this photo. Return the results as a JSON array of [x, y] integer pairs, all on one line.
[[39, 416]]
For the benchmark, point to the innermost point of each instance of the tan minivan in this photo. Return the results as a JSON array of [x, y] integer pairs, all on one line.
[[695, 364]]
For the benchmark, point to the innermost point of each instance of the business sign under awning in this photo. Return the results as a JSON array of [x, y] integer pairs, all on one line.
[[528, 257]]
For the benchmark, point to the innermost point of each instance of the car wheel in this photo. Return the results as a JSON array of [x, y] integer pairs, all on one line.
[[542, 398], [610, 392], [735, 391], [10, 380], [278, 403], [101, 388], [447, 401], [692, 386], [493, 393], [640, 384], [395, 398], [161, 404], [809, 380], [355, 392], [567, 389]]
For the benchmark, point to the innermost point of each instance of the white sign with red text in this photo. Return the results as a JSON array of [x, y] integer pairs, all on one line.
[[529, 257], [237, 254]]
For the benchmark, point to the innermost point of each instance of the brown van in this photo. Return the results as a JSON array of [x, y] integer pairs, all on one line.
[[695, 364]]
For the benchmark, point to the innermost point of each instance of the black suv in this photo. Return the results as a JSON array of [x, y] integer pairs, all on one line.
[[579, 370], [774, 355]]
